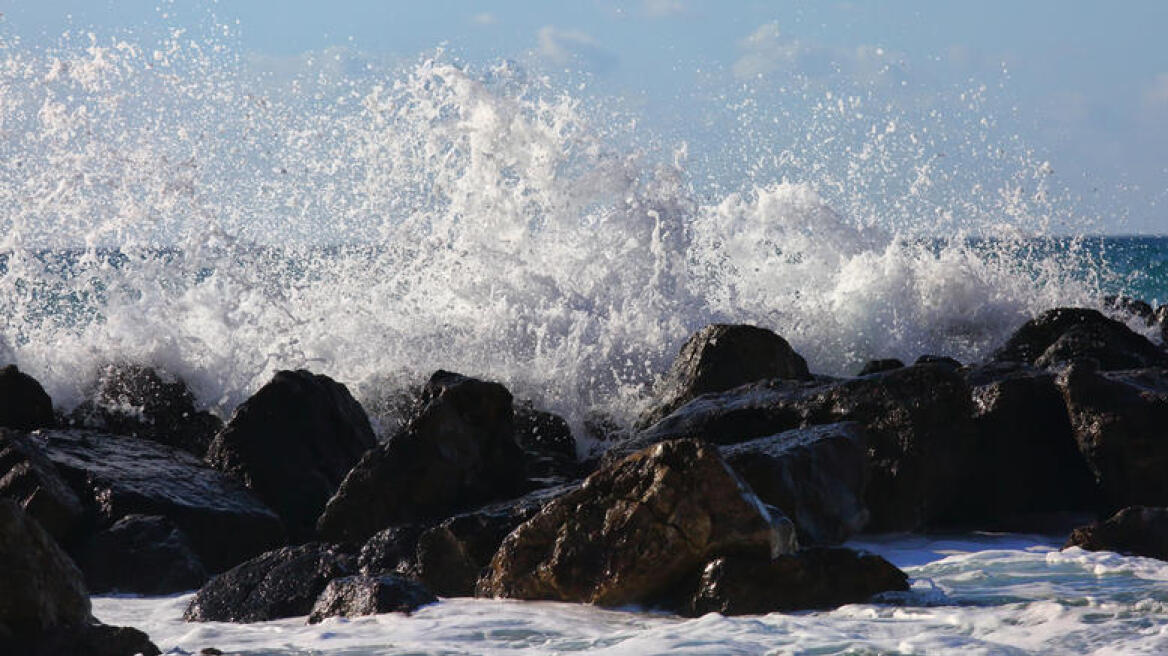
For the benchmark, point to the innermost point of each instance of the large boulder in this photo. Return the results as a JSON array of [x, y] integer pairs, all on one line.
[[140, 554], [816, 476], [1066, 334], [352, 596], [549, 450], [24, 405], [812, 579], [130, 399], [878, 366], [30, 479], [635, 529], [281, 583], [721, 357], [1119, 421], [390, 550], [458, 452], [116, 476], [1136, 530], [292, 443]]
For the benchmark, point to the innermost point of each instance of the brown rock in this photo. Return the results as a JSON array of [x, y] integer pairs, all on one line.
[[1136, 530]]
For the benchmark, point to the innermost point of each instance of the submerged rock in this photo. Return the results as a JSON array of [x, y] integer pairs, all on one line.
[[292, 443], [1063, 335], [1136, 531], [281, 583], [352, 596], [24, 404], [140, 554], [634, 529], [30, 479]]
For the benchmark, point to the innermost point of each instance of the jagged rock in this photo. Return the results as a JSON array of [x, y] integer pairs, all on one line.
[[458, 452], [1133, 307], [816, 476], [28, 478], [812, 579], [549, 451], [140, 554], [292, 443], [281, 583], [24, 405], [878, 366], [116, 476], [1119, 421], [634, 529], [1136, 530], [1162, 321], [1066, 334], [390, 550], [367, 595], [130, 399], [724, 356]]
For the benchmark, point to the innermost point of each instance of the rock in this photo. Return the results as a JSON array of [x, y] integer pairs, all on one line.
[[1135, 530], [117, 476], [1162, 321], [1119, 421], [918, 421], [1133, 307], [812, 579], [88, 639], [1066, 334], [721, 357], [24, 405], [944, 360], [292, 443], [281, 583], [140, 554], [634, 529], [549, 451], [877, 366], [28, 478], [390, 550], [457, 453], [368, 595], [130, 399], [816, 476]]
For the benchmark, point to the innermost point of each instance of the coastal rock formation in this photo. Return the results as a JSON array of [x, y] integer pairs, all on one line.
[[30, 479], [292, 443], [24, 405], [352, 596], [281, 583], [634, 529], [458, 452], [816, 476], [878, 366], [549, 451], [1136, 530], [1063, 335], [140, 554], [390, 550]]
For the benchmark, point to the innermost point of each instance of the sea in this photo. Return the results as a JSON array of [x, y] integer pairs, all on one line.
[[163, 202]]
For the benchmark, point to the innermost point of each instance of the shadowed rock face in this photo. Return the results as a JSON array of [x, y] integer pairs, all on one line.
[[878, 366], [549, 450], [140, 554], [458, 452], [292, 443], [30, 479], [370, 595], [1066, 334], [634, 529], [24, 405], [390, 550], [1137, 530]]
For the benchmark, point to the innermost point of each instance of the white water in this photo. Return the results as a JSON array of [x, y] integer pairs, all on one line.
[[973, 595]]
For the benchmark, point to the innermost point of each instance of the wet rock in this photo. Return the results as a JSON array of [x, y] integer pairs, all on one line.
[[1136, 531], [721, 357], [89, 639], [457, 453], [816, 476], [30, 479], [634, 529], [812, 579], [390, 550], [1133, 307], [140, 554], [281, 583], [368, 595], [24, 405], [877, 366], [1063, 335], [549, 451], [116, 476], [130, 399], [944, 360], [1119, 421]]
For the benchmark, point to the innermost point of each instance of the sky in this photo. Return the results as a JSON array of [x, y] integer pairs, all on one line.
[[1083, 85]]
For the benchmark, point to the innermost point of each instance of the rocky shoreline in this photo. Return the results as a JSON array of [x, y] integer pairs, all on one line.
[[730, 495]]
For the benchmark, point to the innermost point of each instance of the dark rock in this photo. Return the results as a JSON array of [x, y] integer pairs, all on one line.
[[721, 357], [130, 399], [24, 405], [458, 452], [634, 529], [140, 554], [877, 366], [549, 451], [118, 476], [1133, 307], [87, 639], [281, 583], [292, 443], [1066, 334], [29, 479], [816, 476], [944, 360], [812, 579], [1119, 421], [390, 550], [1136, 530], [367, 595]]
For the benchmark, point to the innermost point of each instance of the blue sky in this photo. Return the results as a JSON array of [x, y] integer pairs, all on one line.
[[1083, 84]]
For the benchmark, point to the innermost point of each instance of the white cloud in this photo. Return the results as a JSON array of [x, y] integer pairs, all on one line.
[[485, 18], [765, 51], [573, 47], [664, 8]]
